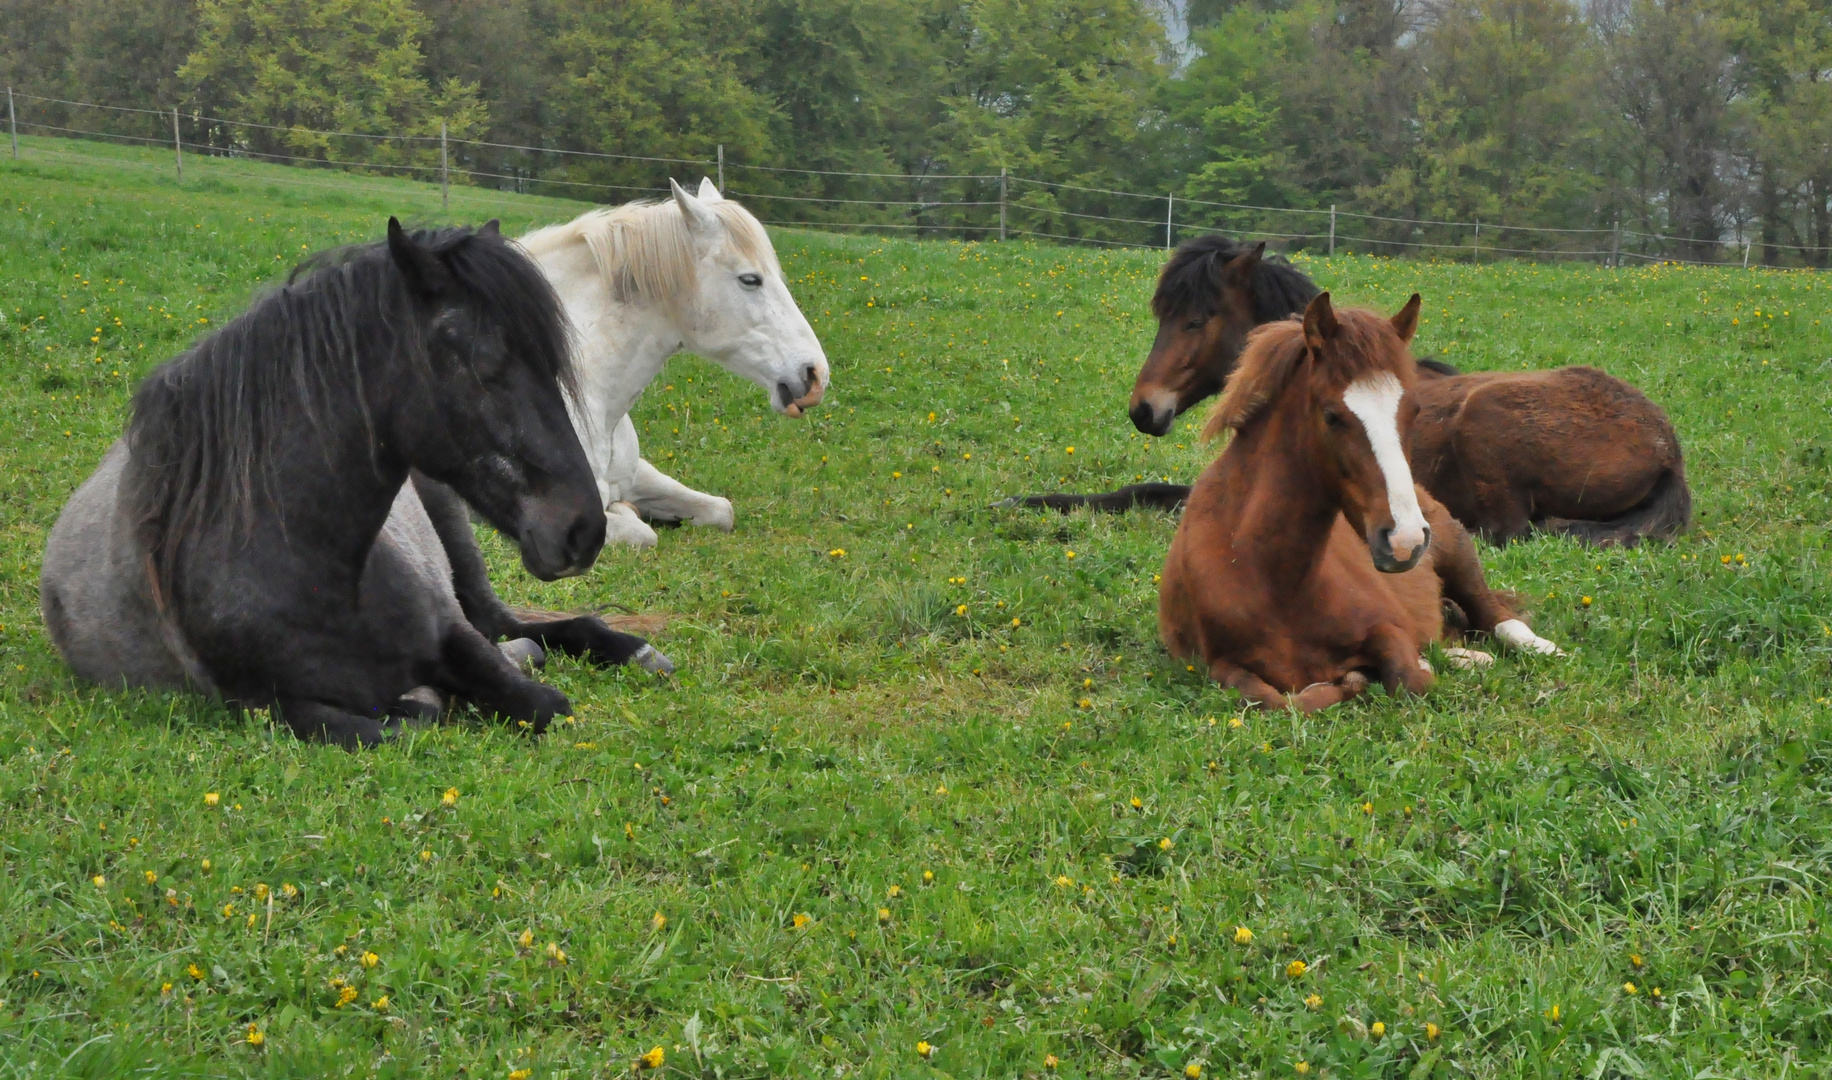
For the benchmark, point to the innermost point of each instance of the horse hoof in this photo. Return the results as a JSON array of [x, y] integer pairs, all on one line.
[[649, 658], [1354, 682], [524, 653], [623, 526], [719, 517], [1466, 659], [421, 704], [1425, 666], [1518, 635]]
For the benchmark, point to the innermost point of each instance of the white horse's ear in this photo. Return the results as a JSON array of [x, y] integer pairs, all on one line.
[[701, 221], [708, 191]]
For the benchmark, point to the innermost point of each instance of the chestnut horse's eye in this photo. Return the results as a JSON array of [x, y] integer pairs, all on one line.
[[1334, 419]]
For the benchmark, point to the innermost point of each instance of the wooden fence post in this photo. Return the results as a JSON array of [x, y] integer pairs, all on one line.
[[12, 122], [1001, 202], [721, 168], [1332, 228], [177, 145], [445, 176], [1170, 207]]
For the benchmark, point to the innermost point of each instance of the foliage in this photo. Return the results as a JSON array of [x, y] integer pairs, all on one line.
[[1496, 861], [307, 67]]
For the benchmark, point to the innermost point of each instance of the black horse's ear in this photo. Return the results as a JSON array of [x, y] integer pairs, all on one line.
[[492, 227], [1240, 268], [1320, 321], [424, 271], [1406, 320]]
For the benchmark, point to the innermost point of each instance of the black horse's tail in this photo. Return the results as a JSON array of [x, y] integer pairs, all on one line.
[[1153, 496], [1664, 514]]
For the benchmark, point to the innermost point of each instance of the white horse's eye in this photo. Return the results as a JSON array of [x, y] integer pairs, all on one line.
[[750, 281]]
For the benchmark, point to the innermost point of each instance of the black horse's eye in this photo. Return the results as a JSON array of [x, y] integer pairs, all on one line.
[[1197, 322], [750, 281]]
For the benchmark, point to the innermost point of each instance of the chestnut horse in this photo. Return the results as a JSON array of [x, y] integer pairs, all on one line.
[[1572, 451], [1307, 558]]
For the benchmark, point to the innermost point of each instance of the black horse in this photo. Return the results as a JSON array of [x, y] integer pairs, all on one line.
[[255, 535]]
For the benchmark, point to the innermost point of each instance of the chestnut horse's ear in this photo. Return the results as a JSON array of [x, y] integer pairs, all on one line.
[[1320, 322], [1406, 322], [1240, 268]]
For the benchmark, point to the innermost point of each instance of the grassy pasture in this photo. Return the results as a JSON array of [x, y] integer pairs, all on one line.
[[925, 774]]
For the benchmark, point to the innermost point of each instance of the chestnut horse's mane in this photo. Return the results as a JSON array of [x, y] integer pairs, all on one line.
[[1365, 343]]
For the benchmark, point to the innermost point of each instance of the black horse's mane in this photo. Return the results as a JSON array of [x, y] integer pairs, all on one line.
[[1190, 282], [204, 425]]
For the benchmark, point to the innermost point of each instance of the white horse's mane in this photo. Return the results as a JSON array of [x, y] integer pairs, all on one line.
[[644, 250]]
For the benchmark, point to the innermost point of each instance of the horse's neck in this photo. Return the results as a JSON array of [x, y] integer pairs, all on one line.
[[334, 479], [1282, 515], [621, 346]]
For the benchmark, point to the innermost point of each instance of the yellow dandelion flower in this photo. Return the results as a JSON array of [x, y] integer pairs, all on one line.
[[380, 1004], [194, 972], [151, 877], [206, 866], [1302, 1068], [1050, 1061], [526, 939], [165, 990], [289, 890], [211, 798], [555, 953], [652, 1060], [1015, 623], [1070, 554], [1377, 1029], [450, 798], [1296, 968], [924, 1050], [1165, 844], [100, 881], [228, 910], [657, 921], [260, 890], [1069, 450], [1629, 989], [928, 877], [426, 855], [1192, 1071], [1635, 959], [1313, 1001], [1242, 936], [801, 919], [1137, 803], [255, 1038], [1584, 600], [520, 1074], [837, 553], [884, 914], [1432, 1031], [961, 609], [370, 959], [894, 891]]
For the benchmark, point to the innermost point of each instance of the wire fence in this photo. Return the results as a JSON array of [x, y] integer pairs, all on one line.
[[942, 204]]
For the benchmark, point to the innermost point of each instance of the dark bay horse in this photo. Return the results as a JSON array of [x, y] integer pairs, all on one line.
[[1573, 451], [1306, 558], [255, 533]]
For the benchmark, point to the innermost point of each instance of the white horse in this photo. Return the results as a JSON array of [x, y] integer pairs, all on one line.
[[644, 281]]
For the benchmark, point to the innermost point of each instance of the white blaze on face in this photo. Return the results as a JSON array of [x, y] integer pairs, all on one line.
[[1374, 399]]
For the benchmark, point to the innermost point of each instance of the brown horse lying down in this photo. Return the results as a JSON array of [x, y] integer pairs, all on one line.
[[1307, 558], [1572, 451]]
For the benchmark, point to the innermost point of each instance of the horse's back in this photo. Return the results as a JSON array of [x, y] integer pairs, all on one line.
[[93, 590]]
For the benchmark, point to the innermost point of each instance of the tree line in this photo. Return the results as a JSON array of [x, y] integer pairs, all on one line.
[[1696, 129]]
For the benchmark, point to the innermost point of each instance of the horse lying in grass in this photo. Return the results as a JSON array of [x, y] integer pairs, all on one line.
[[1306, 557], [1573, 451], [255, 534], [644, 281]]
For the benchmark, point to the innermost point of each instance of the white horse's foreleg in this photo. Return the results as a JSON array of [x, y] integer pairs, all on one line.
[[661, 497], [623, 525]]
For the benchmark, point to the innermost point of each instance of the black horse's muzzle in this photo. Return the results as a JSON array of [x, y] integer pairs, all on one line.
[[560, 537]]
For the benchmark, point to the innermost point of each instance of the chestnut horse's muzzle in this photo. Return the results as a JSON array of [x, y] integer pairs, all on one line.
[[1380, 545], [1149, 418]]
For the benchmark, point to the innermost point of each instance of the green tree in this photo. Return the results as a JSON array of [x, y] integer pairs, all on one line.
[[306, 67]]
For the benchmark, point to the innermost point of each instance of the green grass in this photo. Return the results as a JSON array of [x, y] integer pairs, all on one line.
[[1497, 859]]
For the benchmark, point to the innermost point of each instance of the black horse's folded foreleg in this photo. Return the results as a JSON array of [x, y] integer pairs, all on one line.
[[580, 635], [478, 671]]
